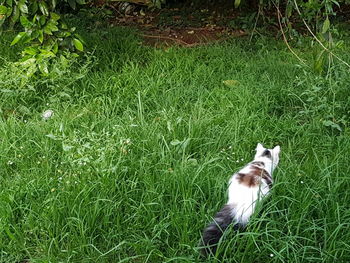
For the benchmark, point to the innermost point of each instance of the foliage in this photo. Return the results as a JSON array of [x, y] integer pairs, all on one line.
[[45, 35]]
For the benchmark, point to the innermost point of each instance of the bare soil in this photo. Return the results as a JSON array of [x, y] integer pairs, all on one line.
[[172, 26]]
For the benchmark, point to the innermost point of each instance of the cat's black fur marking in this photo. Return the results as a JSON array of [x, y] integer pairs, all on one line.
[[261, 164], [215, 230], [267, 153]]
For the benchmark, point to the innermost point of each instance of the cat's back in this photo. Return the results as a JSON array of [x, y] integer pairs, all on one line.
[[245, 188]]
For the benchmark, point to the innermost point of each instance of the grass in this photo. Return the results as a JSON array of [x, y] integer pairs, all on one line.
[[136, 159]]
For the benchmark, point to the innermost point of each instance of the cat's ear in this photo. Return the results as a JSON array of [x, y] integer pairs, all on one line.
[[259, 148], [275, 156], [277, 149]]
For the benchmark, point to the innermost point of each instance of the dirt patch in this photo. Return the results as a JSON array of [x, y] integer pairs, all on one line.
[[187, 37], [172, 26]]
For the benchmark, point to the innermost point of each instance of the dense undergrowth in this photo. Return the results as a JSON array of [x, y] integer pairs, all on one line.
[[136, 158]]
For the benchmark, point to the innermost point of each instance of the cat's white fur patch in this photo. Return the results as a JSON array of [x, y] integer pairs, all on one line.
[[244, 198]]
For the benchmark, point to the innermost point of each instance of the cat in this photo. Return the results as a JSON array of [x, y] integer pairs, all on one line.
[[246, 187]]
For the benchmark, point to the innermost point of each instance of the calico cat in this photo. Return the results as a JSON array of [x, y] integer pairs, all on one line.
[[246, 187]]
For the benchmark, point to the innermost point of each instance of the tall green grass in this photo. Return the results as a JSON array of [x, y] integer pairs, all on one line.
[[136, 159]]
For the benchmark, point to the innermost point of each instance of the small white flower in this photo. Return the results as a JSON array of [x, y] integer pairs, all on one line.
[[237, 161], [25, 121], [301, 182], [9, 162], [60, 178], [38, 162], [228, 158], [242, 159], [47, 104], [230, 147], [21, 147], [271, 255], [47, 114]]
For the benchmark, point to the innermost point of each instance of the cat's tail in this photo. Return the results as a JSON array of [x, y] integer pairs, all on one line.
[[214, 231]]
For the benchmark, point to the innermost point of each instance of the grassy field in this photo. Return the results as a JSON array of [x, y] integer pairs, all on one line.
[[136, 159]]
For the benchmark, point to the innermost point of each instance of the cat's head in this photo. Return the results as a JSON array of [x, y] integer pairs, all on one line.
[[271, 154]]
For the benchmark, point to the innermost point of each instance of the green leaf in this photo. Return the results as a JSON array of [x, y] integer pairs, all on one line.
[[55, 17], [15, 15], [17, 38], [43, 8], [30, 51], [64, 25], [63, 34], [329, 123], [326, 25], [25, 22], [55, 48], [230, 83], [23, 6], [319, 62], [53, 4], [3, 10], [175, 142], [237, 3], [34, 34], [43, 67], [47, 53], [41, 36], [9, 11], [42, 20], [50, 27], [72, 4], [81, 2], [34, 8], [78, 45], [9, 2]]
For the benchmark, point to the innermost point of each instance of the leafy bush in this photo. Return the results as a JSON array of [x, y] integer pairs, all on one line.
[[43, 34]]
